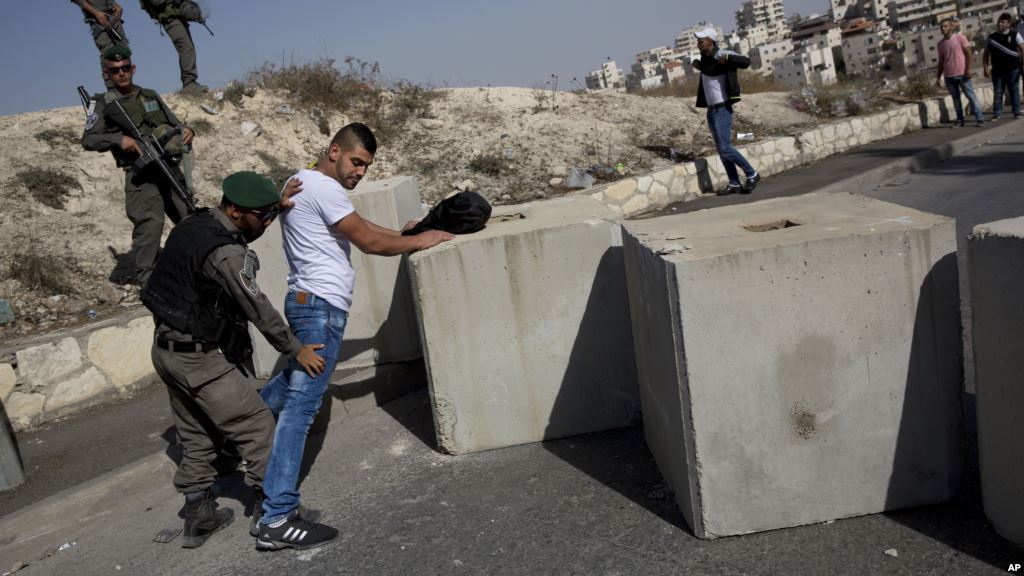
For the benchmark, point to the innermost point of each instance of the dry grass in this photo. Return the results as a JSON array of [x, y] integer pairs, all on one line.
[[49, 187], [357, 91], [277, 172], [39, 269], [55, 137]]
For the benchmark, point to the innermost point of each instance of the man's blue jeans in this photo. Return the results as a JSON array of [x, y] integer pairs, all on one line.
[[294, 399], [720, 123], [956, 84], [1001, 80]]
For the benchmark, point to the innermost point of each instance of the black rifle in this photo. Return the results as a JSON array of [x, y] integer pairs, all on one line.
[[152, 153], [111, 29]]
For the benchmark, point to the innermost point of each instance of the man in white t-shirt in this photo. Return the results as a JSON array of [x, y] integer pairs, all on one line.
[[318, 235]]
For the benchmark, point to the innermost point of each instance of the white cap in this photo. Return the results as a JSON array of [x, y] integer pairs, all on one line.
[[708, 33]]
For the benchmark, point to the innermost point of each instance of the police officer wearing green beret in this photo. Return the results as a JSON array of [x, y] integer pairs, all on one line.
[[148, 194], [203, 293], [105, 25], [174, 16]]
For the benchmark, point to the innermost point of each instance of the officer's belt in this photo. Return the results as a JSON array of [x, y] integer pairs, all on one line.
[[185, 347]]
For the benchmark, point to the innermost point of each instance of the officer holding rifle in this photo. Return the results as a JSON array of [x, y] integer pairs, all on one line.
[[148, 141]]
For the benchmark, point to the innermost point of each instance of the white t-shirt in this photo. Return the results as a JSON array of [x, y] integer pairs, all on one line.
[[714, 88], [318, 257]]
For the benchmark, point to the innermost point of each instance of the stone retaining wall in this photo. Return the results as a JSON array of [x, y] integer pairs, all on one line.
[[47, 378], [686, 181]]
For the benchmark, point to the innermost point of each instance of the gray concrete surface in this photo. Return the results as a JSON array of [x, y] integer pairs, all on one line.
[[798, 359], [381, 324], [526, 327], [996, 276]]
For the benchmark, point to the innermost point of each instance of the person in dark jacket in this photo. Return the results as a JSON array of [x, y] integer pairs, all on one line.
[[719, 90], [1002, 62]]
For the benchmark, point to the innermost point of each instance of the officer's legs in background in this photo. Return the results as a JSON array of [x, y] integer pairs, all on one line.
[[178, 32], [144, 205]]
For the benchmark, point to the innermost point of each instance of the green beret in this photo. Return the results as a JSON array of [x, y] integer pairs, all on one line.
[[117, 52], [250, 190]]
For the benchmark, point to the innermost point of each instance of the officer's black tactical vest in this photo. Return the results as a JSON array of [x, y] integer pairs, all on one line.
[[181, 296]]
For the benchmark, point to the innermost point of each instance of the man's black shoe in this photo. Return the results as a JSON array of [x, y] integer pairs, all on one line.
[[294, 532], [750, 184], [730, 189], [203, 519]]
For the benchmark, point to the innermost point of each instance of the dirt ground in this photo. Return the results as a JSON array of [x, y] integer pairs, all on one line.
[[66, 238]]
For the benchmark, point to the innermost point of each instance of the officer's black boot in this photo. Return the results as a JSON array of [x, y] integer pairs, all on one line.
[[203, 518]]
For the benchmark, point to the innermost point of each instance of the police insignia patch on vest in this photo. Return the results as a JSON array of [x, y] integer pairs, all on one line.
[[248, 272], [90, 120], [151, 105]]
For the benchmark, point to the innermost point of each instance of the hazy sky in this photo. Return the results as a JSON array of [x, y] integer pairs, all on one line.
[[48, 52]]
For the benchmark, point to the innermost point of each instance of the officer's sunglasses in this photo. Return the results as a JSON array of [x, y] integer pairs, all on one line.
[[264, 216], [113, 70]]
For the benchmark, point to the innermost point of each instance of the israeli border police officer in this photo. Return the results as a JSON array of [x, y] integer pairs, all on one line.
[[105, 24], [174, 16], [148, 194], [203, 293]]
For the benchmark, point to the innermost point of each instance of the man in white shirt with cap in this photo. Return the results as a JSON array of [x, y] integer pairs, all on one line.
[[718, 91]]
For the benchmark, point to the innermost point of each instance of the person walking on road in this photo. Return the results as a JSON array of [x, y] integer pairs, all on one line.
[[318, 233], [719, 91], [1005, 52], [203, 294], [954, 70]]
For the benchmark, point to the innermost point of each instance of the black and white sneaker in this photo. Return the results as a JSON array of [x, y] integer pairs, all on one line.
[[308, 514], [294, 532]]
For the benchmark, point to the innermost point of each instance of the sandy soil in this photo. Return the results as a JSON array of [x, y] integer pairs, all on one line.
[[523, 137]]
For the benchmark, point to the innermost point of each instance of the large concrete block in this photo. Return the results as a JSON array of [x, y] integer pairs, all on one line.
[[122, 353], [995, 257], [798, 359], [381, 323], [526, 327]]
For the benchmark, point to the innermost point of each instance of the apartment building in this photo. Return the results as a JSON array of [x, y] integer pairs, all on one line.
[[805, 66], [852, 9], [864, 46], [762, 17], [818, 32], [917, 14], [607, 77], [764, 56]]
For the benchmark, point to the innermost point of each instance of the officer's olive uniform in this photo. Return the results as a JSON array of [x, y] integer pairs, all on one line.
[[170, 18], [148, 195], [213, 393], [100, 35]]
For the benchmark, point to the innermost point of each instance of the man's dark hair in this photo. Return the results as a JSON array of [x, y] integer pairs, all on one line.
[[1005, 16], [355, 135]]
